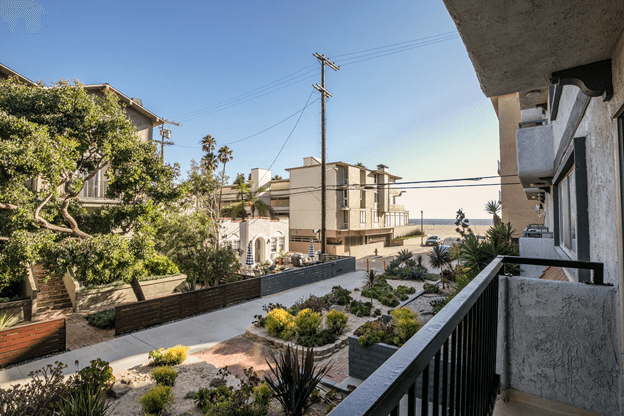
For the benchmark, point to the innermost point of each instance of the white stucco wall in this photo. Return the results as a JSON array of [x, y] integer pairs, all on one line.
[[252, 229]]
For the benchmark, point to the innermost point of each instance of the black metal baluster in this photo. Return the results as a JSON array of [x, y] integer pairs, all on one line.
[[436, 385], [411, 400], [480, 352], [424, 408], [445, 378], [451, 407], [395, 411], [460, 367], [465, 366]]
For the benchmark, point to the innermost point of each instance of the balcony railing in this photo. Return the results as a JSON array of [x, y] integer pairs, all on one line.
[[449, 366], [94, 189]]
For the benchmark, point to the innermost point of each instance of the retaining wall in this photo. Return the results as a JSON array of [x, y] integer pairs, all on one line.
[[98, 297], [22, 309], [305, 275]]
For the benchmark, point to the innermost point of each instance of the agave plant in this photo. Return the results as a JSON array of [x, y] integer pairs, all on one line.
[[404, 255], [7, 321], [293, 380]]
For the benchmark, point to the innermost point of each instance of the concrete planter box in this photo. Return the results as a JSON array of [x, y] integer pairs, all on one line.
[[85, 299], [363, 361], [22, 309], [260, 334]]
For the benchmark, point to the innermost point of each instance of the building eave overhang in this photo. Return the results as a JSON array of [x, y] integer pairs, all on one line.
[[10, 73], [128, 102], [517, 46]]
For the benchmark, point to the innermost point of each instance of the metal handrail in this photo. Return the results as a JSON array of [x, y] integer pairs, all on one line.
[[379, 394], [597, 268]]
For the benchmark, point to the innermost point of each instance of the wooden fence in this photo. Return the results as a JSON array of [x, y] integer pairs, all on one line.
[[30, 341], [152, 312]]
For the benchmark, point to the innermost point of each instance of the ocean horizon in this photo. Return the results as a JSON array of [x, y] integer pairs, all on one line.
[[449, 221]]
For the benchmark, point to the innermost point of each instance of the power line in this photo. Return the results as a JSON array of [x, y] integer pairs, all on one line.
[[395, 44], [260, 132]]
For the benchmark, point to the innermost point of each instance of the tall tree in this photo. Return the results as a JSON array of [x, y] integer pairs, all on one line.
[[225, 155], [61, 137]]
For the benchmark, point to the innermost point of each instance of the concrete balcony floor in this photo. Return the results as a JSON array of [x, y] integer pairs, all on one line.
[[524, 404]]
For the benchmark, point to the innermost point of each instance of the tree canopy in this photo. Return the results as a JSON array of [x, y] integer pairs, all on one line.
[[58, 138]]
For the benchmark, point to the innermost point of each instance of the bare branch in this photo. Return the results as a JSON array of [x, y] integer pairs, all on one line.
[[52, 227], [6, 205]]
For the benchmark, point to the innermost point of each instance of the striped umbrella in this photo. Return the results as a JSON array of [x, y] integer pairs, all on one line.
[[311, 249], [250, 259]]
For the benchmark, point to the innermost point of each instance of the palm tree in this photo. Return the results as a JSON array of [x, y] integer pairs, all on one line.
[[250, 198], [224, 156], [494, 207], [277, 178], [440, 258], [209, 161], [370, 278], [359, 164]]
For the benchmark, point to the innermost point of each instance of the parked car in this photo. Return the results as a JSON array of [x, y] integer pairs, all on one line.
[[433, 240]]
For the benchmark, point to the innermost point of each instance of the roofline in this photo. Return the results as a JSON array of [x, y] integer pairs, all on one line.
[[346, 164], [128, 101], [5, 69]]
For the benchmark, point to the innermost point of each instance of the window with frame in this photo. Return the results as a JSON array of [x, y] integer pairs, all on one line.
[[567, 212], [345, 218], [345, 198], [362, 217], [280, 243], [274, 245], [376, 217]]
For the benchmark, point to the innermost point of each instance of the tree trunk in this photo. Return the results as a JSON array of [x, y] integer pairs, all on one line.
[[136, 288]]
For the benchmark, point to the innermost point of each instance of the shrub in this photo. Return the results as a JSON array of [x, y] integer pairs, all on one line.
[[224, 401], [84, 402], [430, 288], [293, 380], [315, 303], [406, 323], [360, 309], [98, 375], [280, 323], [159, 265], [165, 376], [319, 339], [103, 319], [336, 321], [338, 296], [371, 333], [307, 322], [155, 401], [172, 356]]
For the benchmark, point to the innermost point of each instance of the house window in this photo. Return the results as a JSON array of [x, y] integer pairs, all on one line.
[[362, 217], [346, 218], [567, 212], [376, 217], [274, 245], [280, 243], [345, 198]]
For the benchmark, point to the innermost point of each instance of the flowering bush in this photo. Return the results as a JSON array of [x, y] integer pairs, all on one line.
[[307, 322], [336, 321], [172, 356], [406, 323], [280, 323]]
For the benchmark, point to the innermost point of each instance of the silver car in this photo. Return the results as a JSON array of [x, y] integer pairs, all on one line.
[[433, 240]]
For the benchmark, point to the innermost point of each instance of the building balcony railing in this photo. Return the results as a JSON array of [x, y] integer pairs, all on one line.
[[452, 365]]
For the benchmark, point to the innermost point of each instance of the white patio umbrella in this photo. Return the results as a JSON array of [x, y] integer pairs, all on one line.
[[311, 249]]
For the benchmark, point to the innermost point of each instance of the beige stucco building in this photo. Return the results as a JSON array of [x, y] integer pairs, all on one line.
[[361, 207], [516, 208]]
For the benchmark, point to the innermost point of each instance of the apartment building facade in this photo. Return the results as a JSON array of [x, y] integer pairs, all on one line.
[[361, 206]]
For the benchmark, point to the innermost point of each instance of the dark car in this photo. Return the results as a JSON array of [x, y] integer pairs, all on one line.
[[433, 240]]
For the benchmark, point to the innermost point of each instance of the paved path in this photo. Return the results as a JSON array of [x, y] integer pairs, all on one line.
[[200, 332]]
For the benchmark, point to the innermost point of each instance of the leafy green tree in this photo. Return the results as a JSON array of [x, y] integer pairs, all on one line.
[[59, 138], [251, 199]]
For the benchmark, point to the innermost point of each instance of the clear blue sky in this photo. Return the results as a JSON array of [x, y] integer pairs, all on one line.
[[420, 111]]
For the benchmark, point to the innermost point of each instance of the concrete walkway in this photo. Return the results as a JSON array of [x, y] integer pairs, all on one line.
[[199, 333]]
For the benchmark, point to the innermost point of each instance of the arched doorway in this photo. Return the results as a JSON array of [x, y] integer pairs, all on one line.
[[259, 250]]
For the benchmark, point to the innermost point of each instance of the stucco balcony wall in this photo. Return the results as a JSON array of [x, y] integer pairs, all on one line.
[[535, 154], [536, 248]]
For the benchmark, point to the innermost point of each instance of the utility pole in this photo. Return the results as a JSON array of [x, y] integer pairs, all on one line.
[[324, 94], [164, 134]]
